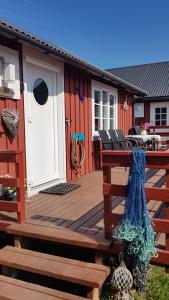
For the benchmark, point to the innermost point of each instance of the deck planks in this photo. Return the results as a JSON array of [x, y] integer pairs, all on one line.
[[81, 210]]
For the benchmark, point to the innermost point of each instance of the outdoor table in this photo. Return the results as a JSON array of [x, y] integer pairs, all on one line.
[[148, 137]]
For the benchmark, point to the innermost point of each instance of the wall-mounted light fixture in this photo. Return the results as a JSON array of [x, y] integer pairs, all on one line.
[[7, 71]]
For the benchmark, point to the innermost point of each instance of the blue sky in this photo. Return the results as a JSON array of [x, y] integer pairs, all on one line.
[[109, 33]]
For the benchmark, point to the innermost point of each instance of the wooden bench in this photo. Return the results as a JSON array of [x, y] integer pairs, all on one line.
[[14, 289], [89, 275]]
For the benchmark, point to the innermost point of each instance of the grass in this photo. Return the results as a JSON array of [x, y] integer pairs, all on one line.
[[157, 287]]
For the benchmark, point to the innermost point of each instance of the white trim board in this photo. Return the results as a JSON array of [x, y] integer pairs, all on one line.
[[111, 90]]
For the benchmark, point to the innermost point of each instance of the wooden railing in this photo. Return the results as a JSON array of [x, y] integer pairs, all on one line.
[[16, 158], [157, 160], [162, 130]]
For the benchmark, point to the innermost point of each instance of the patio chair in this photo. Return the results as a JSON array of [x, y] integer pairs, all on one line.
[[120, 144], [136, 130], [129, 143], [109, 144]]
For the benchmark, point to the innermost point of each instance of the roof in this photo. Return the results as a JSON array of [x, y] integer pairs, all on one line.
[[65, 55], [153, 78]]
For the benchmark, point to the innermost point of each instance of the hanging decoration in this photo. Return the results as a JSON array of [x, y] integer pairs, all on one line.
[[135, 228], [78, 152], [11, 118], [122, 280], [81, 97], [125, 104]]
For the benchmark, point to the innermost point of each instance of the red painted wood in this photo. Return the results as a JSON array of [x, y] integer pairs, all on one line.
[[158, 194], [124, 116], [15, 158], [154, 159], [146, 118], [79, 112], [147, 112], [19, 141], [9, 206]]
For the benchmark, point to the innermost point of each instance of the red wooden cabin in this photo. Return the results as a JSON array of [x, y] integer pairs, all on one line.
[[57, 94]]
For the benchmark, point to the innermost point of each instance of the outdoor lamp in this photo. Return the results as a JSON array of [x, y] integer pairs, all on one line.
[[7, 70]]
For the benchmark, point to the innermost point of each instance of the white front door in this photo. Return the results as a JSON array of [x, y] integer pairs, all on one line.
[[41, 126]]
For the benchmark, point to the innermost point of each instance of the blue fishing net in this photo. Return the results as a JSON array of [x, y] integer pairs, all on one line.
[[135, 228]]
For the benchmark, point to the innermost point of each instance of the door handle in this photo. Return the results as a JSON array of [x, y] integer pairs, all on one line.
[[30, 119]]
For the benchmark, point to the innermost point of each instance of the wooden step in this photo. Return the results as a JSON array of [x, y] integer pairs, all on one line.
[[87, 274], [14, 289], [58, 235]]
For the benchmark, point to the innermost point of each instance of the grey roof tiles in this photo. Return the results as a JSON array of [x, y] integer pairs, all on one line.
[[153, 77], [66, 56]]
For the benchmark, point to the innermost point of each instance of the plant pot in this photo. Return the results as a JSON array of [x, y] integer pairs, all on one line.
[[10, 197]]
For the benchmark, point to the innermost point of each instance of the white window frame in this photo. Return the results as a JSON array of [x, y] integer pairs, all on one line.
[[97, 86]]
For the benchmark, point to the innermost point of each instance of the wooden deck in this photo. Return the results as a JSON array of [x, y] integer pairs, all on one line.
[[81, 210]]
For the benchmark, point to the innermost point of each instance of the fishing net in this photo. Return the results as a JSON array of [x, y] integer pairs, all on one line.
[[11, 118], [135, 228]]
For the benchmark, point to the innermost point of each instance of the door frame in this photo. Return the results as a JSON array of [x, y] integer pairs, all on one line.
[[60, 134]]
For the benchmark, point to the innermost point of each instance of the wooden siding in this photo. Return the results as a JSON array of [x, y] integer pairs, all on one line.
[[140, 121], [77, 84], [19, 142], [124, 116]]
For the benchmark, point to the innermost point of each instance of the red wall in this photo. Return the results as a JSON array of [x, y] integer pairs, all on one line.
[[140, 121], [78, 84], [125, 117], [19, 142], [80, 113]]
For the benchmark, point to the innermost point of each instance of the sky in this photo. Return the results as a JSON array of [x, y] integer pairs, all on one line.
[[108, 33]]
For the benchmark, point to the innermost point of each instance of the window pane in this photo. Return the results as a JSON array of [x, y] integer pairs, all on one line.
[[105, 124], [164, 116], [104, 97], [111, 100], [157, 122], [40, 91], [111, 112], [163, 122], [97, 124], [104, 111], [157, 116], [157, 110], [111, 123], [97, 111], [97, 97], [164, 110]]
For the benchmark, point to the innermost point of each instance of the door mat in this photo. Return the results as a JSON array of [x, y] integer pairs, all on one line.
[[61, 189]]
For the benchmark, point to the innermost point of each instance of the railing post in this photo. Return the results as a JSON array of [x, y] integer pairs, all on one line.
[[21, 189], [167, 217], [107, 203]]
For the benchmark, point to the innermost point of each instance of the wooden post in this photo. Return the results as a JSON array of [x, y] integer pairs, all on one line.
[[93, 294], [107, 203], [167, 217], [18, 241], [21, 188], [99, 257]]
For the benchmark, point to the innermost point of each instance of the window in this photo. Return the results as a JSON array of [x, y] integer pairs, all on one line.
[[104, 108], [40, 91], [160, 116]]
